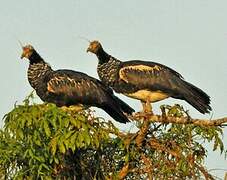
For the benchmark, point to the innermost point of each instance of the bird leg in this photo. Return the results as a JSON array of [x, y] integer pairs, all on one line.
[[147, 108]]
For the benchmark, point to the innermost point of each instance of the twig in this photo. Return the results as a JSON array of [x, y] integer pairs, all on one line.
[[205, 173], [181, 120], [124, 171], [148, 166], [162, 147], [142, 133]]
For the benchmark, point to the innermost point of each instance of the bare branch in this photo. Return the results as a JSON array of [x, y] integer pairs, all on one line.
[[204, 172], [142, 133], [124, 171], [181, 120]]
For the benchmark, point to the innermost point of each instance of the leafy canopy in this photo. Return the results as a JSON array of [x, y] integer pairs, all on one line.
[[45, 142]]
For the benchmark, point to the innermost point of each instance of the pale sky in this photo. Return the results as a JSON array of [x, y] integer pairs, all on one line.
[[188, 36]]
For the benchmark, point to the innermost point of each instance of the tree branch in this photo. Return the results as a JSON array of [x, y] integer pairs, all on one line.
[[204, 172], [180, 120], [162, 147]]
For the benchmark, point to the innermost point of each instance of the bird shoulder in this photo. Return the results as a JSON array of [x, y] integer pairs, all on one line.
[[129, 70], [61, 84]]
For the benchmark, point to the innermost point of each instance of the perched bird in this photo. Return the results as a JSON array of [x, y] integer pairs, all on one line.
[[68, 88], [146, 81]]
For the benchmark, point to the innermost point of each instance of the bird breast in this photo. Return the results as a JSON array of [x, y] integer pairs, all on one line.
[[108, 72], [36, 73]]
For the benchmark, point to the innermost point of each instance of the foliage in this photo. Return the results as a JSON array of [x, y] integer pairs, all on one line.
[[47, 142]]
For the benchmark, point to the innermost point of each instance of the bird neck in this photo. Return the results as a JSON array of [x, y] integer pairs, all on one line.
[[35, 58], [37, 70], [102, 56]]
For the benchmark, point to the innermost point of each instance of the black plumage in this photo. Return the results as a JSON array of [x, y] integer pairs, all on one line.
[[67, 87], [146, 81]]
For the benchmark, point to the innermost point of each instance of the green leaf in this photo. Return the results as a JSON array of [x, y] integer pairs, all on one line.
[[53, 145], [87, 138], [46, 128], [20, 133], [62, 147]]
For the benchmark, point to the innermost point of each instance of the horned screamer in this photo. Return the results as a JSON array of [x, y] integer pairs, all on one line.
[[146, 81], [68, 87]]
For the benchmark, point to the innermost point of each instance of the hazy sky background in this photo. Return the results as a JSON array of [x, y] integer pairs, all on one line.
[[188, 36]]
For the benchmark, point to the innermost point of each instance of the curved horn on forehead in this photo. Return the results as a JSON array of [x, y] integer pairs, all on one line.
[[84, 38], [20, 43]]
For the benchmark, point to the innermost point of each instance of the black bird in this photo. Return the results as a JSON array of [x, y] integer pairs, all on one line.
[[68, 88], [147, 81]]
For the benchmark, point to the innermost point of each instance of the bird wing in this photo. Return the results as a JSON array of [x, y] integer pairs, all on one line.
[[73, 84], [151, 76], [135, 72], [89, 91], [62, 84], [157, 77]]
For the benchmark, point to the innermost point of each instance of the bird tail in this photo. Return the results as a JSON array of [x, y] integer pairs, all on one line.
[[124, 106], [196, 97], [114, 110]]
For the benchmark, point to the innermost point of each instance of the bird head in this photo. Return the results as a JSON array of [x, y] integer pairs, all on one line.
[[27, 51], [94, 47]]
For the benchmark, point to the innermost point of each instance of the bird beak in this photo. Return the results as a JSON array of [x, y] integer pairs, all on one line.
[[88, 49], [22, 55]]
